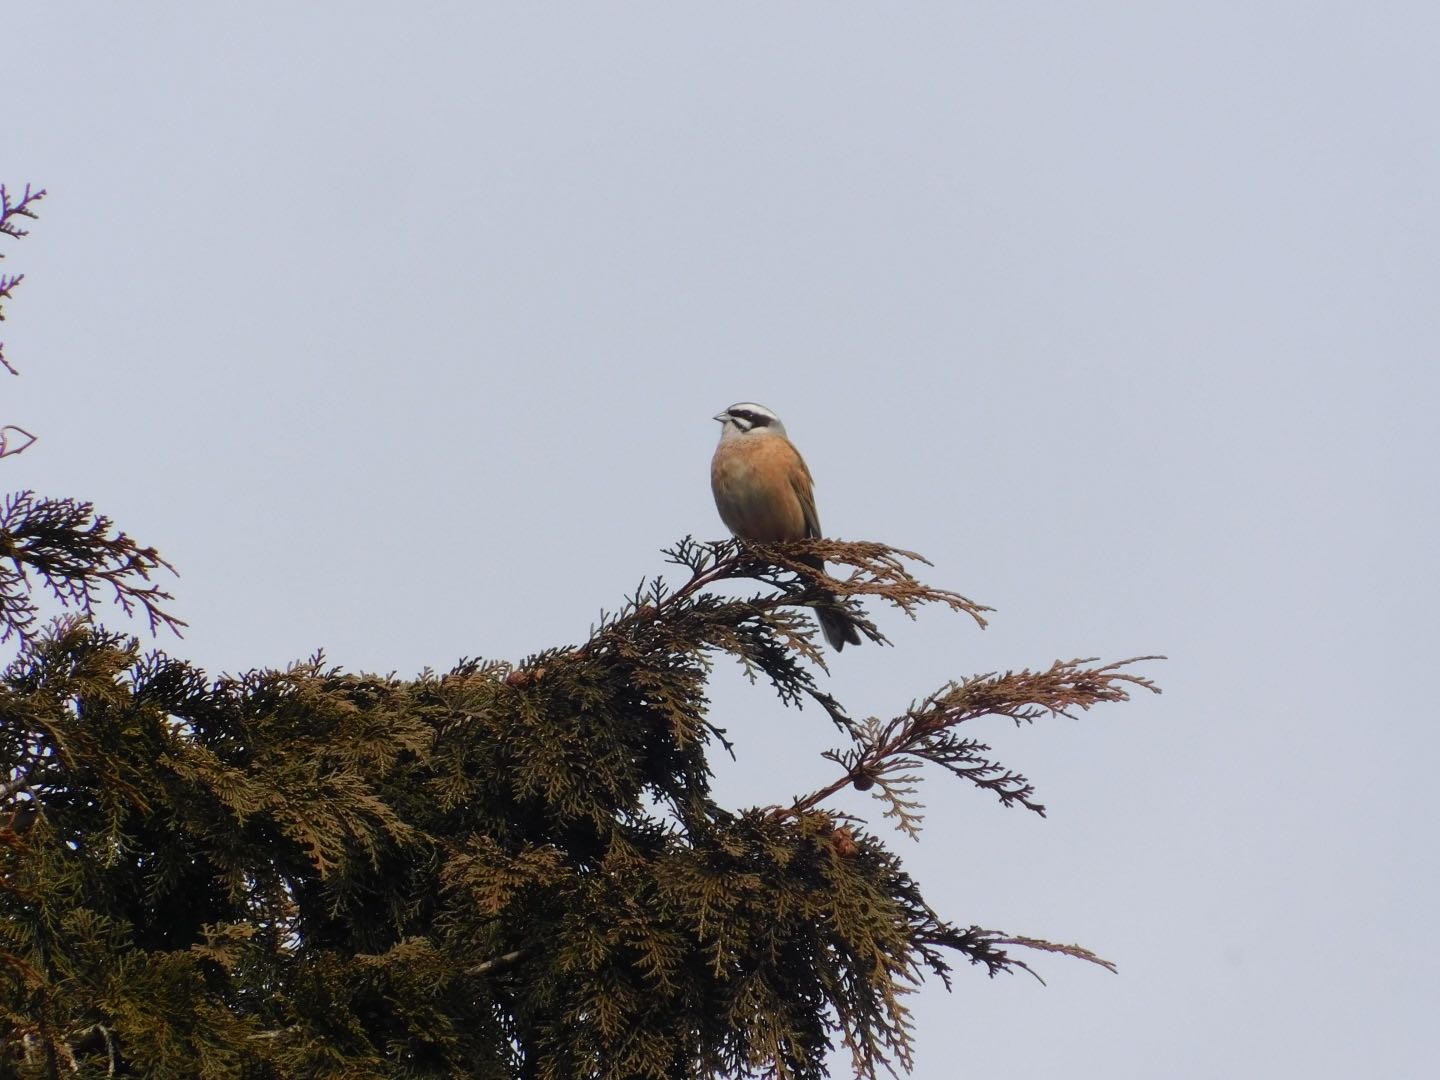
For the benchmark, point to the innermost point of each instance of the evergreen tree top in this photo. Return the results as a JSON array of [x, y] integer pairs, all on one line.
[[499, 871], [502, 871]]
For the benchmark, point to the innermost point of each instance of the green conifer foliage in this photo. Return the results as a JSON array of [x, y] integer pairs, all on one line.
[[502, 871]]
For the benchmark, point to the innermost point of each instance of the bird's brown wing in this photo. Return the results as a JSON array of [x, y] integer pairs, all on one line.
[[836, 624], [804, 488]]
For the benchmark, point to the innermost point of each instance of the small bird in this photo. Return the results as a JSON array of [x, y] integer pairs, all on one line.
[[764, 493]]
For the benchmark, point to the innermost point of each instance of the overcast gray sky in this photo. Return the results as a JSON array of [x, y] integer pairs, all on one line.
[[398, 328]]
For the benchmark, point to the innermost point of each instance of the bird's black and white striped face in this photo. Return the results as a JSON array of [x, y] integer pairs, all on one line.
[[746, 417]]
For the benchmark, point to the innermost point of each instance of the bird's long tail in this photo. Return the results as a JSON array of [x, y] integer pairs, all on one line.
[[838, 627]]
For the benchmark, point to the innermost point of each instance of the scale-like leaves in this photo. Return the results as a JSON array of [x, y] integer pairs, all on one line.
[[508, 870]]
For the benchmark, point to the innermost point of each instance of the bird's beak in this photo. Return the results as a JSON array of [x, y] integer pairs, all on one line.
[[722, 417]]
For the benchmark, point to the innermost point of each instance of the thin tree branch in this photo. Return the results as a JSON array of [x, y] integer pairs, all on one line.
[[7, 450], [498, 963], [925, 732]]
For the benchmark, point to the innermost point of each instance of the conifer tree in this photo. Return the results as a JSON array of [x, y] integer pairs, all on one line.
[[503, 870]]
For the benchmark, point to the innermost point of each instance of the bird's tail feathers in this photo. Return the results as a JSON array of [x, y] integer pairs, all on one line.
[[838, 627]]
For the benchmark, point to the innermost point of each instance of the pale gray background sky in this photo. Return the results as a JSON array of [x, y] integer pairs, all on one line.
[[398, 329]]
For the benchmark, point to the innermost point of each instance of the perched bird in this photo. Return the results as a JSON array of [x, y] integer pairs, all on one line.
[[764, 492]]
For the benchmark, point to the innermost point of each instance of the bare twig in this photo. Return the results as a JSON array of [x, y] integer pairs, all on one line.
[[274, 1033], [498, 963], [6, 447], [10, 211], [21, 208], [14, 784]]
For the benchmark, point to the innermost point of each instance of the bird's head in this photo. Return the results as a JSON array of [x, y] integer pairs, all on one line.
[[745, 418]]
